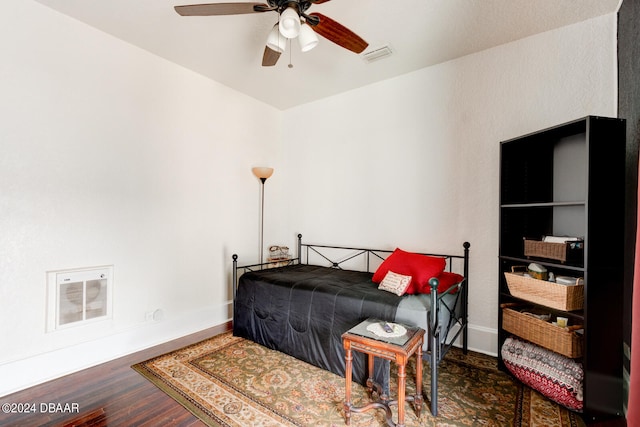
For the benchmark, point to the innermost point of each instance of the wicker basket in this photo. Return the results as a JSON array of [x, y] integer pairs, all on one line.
[[550, 294], [556, 251], [564, 341]]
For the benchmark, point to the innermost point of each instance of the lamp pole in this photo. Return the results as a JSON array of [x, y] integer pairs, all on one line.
[[262, 180], [262, 173]]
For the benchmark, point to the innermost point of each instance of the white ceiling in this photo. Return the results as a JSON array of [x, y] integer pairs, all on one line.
[[228, 49]]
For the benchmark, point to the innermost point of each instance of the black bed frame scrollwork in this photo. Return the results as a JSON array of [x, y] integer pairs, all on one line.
[[437, 348]]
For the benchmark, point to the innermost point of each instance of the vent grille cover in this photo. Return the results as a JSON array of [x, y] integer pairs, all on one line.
[[78, 296], [377, 53]]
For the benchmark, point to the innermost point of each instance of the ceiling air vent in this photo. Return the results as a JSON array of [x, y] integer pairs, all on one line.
[[377, 53]]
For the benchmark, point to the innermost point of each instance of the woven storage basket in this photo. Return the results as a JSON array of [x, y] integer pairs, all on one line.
[[561, 340], [550, 294], [556, 251]]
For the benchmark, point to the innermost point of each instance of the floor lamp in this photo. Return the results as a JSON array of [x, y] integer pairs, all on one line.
[[262, 173]]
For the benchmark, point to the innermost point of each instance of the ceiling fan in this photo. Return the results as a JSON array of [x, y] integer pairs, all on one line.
[[293, 22]]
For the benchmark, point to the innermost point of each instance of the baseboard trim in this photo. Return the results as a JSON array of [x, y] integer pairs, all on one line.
[[24, 373], [483, 340], [480, 339], [29, 372]]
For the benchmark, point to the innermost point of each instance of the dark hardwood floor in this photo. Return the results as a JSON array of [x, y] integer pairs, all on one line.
[[113, 394], [110, 394]]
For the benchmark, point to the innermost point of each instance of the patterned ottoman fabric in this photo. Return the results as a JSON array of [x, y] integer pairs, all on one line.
[[554, 375]]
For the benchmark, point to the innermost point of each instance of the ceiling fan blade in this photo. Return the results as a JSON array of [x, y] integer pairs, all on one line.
[[221, 9], [270, 57], [319, 1], [338, 33]]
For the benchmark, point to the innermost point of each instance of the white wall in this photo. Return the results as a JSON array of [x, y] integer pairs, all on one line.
[[413, 162], [112, 156]]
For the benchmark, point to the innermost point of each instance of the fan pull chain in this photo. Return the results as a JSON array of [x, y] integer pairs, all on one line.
[[290, 49]]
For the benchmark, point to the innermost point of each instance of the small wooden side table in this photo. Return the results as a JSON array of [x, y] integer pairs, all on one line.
[[398, 349]]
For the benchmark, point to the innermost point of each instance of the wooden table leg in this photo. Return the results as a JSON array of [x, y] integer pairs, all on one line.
[[347, 377], [418, 397], [370, 366], [402, 379]]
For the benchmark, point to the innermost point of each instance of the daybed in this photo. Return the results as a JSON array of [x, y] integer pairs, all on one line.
[[302, 309]]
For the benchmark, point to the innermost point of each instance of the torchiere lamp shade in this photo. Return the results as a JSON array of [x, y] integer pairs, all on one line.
[[262, 172]]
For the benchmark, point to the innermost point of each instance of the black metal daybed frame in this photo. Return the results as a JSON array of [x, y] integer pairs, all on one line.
[[438, 346]]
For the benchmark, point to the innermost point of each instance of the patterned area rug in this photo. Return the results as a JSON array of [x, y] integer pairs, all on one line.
[[230, 381]]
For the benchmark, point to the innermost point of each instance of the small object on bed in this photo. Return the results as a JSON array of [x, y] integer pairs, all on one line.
[[278, 256], [278, 253], [395, 283]]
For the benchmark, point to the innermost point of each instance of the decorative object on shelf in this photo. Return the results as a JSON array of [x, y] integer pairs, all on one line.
[[566, 341], [262, 173], [550, 294], [563, 239], [553, 249], [569, 281], [537, 271]]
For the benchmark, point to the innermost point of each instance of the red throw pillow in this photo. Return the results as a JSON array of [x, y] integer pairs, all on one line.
[[446, 280], [421, 268]]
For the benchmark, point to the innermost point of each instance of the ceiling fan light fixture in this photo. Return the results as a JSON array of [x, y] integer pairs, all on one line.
[[276, 41], [289, 23], [307, 38]]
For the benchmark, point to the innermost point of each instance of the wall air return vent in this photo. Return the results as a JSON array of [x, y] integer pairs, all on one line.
[[377, 53], [79, 296]]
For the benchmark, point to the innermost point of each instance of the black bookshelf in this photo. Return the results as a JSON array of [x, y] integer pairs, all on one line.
[[569, 180]]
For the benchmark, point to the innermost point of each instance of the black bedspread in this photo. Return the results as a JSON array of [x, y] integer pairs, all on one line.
[[303, 310]]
